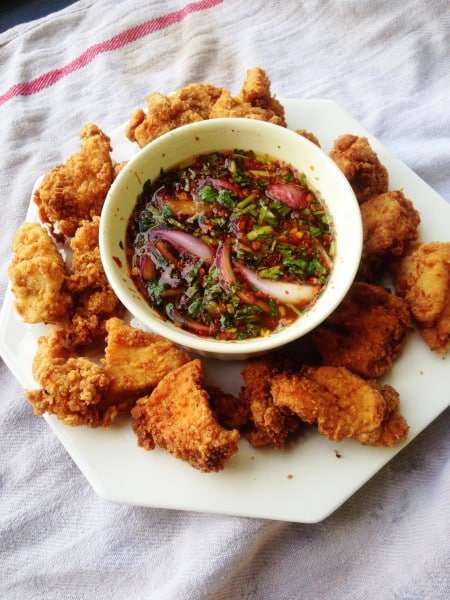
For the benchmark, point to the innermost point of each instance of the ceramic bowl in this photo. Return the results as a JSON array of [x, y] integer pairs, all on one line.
[[203, 137]]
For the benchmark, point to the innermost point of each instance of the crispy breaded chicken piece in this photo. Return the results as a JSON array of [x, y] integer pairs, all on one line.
[[38, 277], [366, 332], [309, 136], [269, 425], [75, 190], [73, 388], [390, 224], [86, 268], [166, 112], [177, 417], [361, 166], [137, 360], [199, 97], [230, 411], [94, 299], [200, 101], [256, 92], [342, 404], [297, 394], [422, 278], [227, 106], [394, 426]]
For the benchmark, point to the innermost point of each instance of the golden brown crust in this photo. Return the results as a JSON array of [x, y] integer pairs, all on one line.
[[227, 106], [38, 277], [74, 388], [422, 278], [255, 100], [269, 425], [231, 412], [166, 112], [177, 417], [390, 224], [309, 136], [361, 166], [80, 391], [342, 404], [93, 297], [200, 101], [137, 360], [366, 332], [295, 393], [75, 190]]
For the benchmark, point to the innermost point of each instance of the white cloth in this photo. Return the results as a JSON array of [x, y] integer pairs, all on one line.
[[388, 64]]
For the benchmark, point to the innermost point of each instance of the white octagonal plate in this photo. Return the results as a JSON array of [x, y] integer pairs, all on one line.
[[313, 476]]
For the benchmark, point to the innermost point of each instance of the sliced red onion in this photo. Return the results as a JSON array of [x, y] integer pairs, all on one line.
[[218, 183], [284, 292], [223, 263], [251, 299], [181, 321], [199, 328], [158, 196], [292, 194], [185, 241], [328, 263], [147, 267]]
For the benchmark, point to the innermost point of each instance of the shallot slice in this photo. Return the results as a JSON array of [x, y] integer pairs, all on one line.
[[283, 291], [218, 183], [199, 328], [223, 263], [327, 261], [185, 241], [147, 267], [181, 321], [293, 195]]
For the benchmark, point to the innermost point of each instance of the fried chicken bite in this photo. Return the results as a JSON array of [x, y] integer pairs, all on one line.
[[390, 224], [366, 332], [297, 394], [86, 268], [309, 136], [394, 427], [93, 297], [269, 425], [342, 404], [230, 411], [361, 166], [256, 92], [75, 190], [137, 360], [200, 101], [199, 97], [38, 277], [227, 106], [166, 112], [73, 388], [177, 416], [422, 278]]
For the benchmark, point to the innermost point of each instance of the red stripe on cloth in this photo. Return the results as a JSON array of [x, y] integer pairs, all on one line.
[[119, 41]]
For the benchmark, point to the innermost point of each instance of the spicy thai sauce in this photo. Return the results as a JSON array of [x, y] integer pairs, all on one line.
[[232, 246]]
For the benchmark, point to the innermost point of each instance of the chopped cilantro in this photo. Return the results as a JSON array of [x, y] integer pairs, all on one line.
[[207, 193]]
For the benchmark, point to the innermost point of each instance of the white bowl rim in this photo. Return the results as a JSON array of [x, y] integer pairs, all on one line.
[[204, 345]]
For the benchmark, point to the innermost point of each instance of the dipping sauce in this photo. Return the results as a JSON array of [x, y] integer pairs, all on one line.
[[232, 246]]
